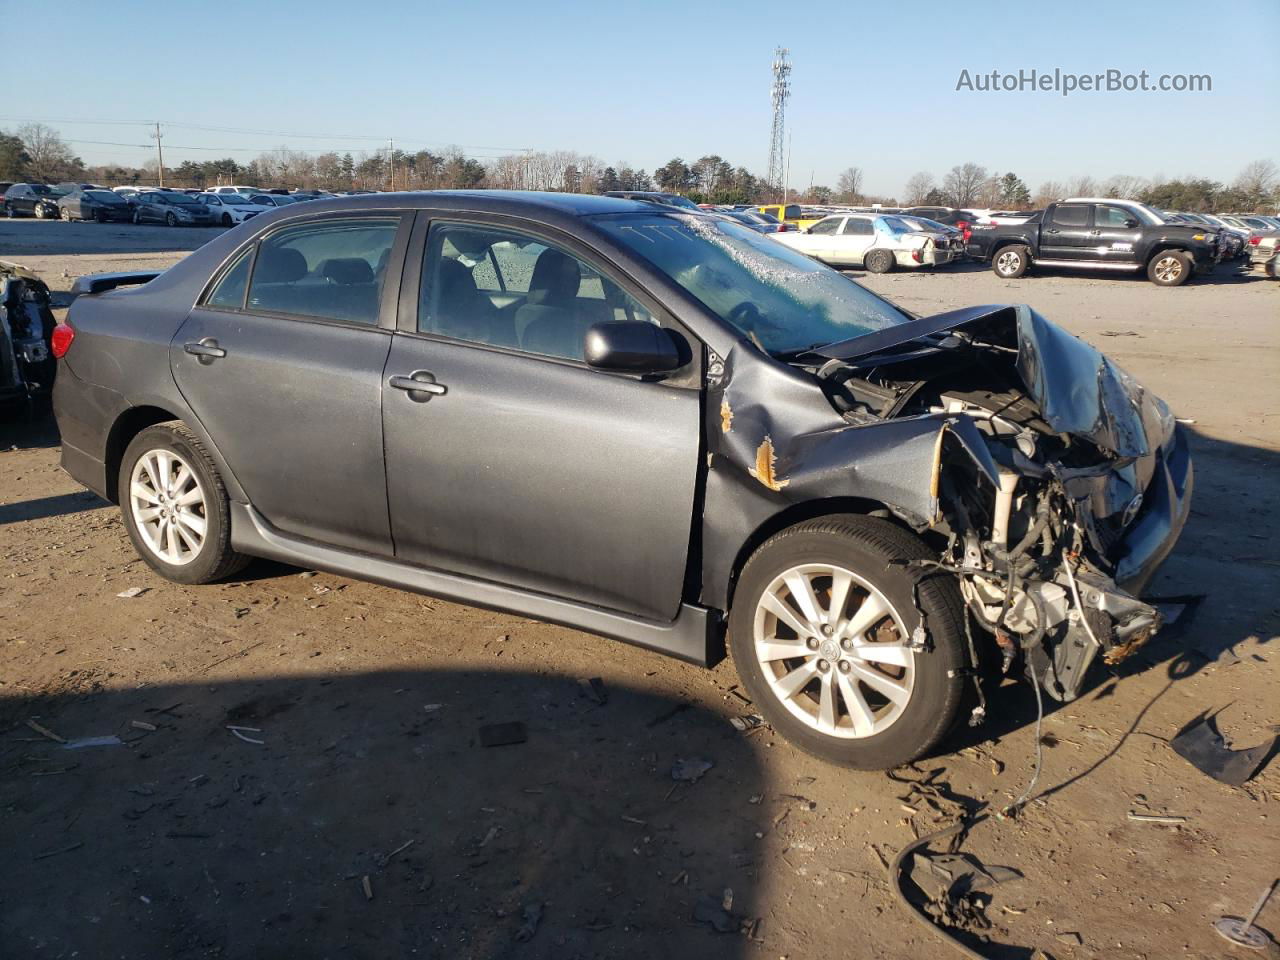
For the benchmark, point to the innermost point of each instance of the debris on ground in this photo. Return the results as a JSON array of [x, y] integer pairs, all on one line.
[[1201, 745], [45, 732], [1241, 930], [927, 794], [958, 887], [132, 592], [532, 914], [239, 733], [503, 734], [668, 714], [143, 725], [593, 689], [1155, 818], [690, 771], [383, 859], [751, 721], [367, 885], [718, 912], [83, 742]]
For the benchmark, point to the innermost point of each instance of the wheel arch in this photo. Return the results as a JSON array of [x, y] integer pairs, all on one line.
[[791, 515], [133, 420], [1004, 242], [1164, 246]]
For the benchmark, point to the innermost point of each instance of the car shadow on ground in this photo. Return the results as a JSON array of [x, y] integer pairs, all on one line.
[[360, 815], [56, 506], [28, 427]]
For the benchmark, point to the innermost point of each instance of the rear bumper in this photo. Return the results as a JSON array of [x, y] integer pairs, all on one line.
[[84, 413], [1152, 536]]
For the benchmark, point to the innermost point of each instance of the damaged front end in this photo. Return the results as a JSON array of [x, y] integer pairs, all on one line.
[[1051, 483], [27, 365]]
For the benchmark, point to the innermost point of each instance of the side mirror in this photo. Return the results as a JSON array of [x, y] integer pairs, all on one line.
[[1131, 223], [633, 346]]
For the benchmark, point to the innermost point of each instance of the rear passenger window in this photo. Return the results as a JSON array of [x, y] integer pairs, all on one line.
[[326, 268], [1071, 215], [859, 227], [229, 293], [498, 287]]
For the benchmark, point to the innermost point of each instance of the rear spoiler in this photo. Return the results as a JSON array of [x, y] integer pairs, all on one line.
[[102, 282]]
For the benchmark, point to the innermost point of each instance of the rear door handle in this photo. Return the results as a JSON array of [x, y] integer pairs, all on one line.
[[207, 350], [419, 382]]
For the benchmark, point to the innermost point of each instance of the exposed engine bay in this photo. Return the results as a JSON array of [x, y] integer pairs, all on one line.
[[27, 365], [1048, 457]]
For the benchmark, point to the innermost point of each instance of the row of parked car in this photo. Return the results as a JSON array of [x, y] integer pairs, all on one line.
[[1088, 233], [225, 205]]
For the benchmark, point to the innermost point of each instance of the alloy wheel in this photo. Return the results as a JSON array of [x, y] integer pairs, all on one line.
[[834, 651], [1168, 269], [1007, 262], [168, 506]]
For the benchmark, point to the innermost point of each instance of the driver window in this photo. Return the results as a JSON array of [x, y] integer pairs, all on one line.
[[1108, 216], [500, 287]]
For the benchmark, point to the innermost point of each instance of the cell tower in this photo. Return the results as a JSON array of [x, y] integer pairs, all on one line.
[[781, 93]]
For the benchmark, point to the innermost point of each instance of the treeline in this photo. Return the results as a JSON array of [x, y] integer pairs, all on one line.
[[37, 152]]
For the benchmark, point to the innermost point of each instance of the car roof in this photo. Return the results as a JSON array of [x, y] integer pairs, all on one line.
[[495, 201]]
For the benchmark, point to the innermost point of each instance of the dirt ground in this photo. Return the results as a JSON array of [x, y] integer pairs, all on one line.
[[364, 762]]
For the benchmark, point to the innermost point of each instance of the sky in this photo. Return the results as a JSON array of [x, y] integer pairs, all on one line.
[[873, 85]]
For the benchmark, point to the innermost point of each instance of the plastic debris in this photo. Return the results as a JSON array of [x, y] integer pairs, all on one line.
[[503, 734], [532, 914], [239, 733], [751, 721], [83, 742], [132, 592], [690, 771], [1201, 745], [45, 732]]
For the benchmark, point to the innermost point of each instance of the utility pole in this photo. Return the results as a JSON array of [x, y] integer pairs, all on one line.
[[787, 184], [159, 152], [391, 160]]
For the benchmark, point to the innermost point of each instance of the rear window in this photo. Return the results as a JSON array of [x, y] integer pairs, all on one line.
[[331, 269]]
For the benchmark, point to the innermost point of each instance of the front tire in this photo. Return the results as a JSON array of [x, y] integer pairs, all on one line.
[[821, 633], [226, 219], [65, 214], [1011, 262], [879, 261], [170, 219], [175, 506], [1169, 268], [41, 213]]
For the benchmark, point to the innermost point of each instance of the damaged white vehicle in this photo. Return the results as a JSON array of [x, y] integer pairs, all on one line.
[[878, 243]]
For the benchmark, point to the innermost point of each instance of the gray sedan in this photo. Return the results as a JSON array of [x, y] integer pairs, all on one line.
[[174, 209], [643, 422]]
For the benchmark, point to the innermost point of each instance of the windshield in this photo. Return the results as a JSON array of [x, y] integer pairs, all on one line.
[[182, 199], [780, 298], [105, 196], [41, 189], [233, 199]]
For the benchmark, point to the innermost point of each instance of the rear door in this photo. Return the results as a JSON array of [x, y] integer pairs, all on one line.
[[1066, 232], [282, 362], [856, 238], [516, 462], [1116, 232]]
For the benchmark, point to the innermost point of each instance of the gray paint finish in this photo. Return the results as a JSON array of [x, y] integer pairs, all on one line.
[[543, 474]]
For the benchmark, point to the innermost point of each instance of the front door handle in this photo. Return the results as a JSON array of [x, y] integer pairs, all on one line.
[[206, 351], [421, 385], [1051, 231]]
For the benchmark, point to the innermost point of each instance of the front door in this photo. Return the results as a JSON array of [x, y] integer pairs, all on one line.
[[1116, 232], [515, 462], [1066, 234], [282, 363]]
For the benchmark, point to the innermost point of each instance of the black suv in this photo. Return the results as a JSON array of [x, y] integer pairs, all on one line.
[[31, 200]]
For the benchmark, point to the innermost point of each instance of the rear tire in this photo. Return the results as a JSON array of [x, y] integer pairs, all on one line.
[[1169, 268], [170, 219], [1011, 262], [175, 506], [40, 213], [65, 214], [870, 701], [879, 261]]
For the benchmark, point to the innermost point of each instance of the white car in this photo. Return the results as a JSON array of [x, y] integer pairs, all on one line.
[[231, 188], [231, 208], [878, 243]]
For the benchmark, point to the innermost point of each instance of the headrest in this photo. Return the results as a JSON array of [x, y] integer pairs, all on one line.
[[280, 265], [347, 270], [556, 277]]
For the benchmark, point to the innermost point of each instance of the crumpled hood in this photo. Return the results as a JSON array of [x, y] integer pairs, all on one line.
[[1078, 389]]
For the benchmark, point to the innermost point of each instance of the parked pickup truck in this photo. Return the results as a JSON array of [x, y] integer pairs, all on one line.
[[1088, 233]]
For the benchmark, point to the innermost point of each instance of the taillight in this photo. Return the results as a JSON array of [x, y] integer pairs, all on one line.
[[1254, 239], [63, 334], [966, 233]]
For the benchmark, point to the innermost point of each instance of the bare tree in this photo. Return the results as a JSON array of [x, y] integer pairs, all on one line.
[[990, 193], [1049, 191], [1082, 187], [1257, 182], [849, 185], [1123, 187], [918, 188], [963, 183], [49, 157]]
